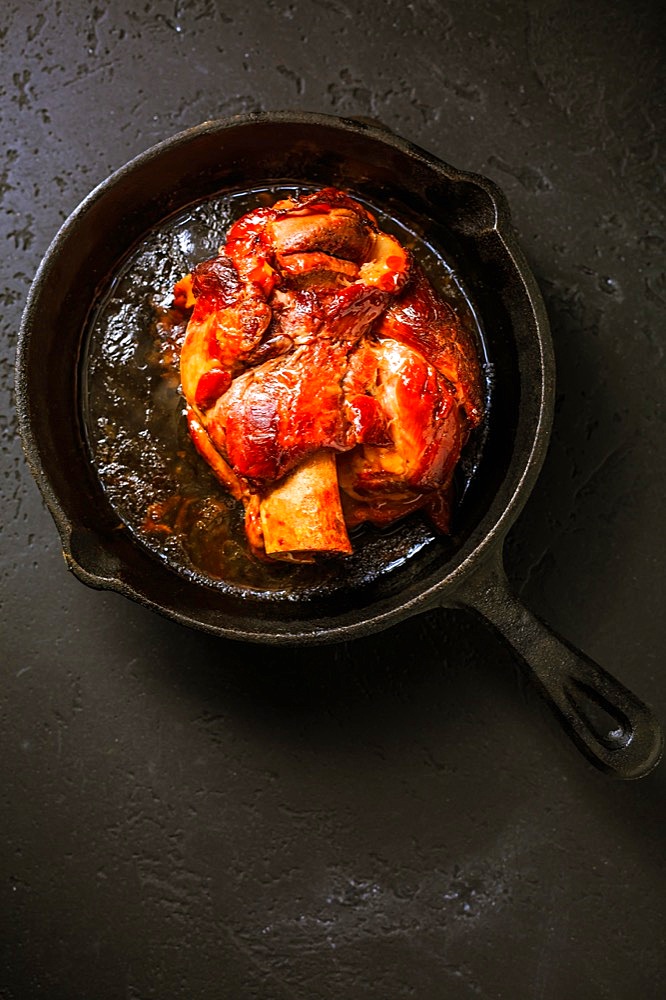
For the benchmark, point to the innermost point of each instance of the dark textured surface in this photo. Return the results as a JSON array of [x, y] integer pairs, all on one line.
[[398, 816]]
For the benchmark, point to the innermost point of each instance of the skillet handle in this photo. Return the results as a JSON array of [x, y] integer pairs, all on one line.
[[610, 725]]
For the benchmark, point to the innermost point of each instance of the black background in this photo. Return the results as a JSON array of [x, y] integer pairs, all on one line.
[[399, 816]]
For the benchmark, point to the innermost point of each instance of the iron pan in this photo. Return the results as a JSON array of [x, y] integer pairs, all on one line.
[[467, 214]]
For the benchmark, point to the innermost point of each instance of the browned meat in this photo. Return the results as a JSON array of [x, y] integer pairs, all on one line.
[[327, 383], [422, 320]]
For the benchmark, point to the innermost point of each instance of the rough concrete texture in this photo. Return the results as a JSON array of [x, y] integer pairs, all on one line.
[[399, 816]]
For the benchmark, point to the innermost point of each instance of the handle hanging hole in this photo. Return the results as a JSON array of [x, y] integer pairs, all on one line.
[[606, 721]]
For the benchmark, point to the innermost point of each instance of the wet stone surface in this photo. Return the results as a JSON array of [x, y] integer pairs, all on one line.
[[398, 816]]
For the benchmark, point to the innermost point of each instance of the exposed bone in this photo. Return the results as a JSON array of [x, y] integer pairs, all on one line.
[[302, 516]]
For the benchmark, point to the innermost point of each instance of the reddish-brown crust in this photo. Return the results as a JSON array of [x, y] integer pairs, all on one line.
[[314, 330], [421, 319], [273, 416]]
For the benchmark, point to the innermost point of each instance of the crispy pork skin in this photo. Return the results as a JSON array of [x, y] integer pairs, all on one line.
[[326, 381]]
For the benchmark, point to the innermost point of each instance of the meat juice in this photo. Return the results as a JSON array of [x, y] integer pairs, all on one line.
[[160, 488]]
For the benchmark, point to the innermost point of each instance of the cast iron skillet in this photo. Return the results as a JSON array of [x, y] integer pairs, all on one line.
[[461, 212]]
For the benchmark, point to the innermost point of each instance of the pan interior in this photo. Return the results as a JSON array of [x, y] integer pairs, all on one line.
[[137, 436]]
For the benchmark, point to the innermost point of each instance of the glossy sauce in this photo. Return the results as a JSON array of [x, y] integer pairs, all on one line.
[[137, 432]]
